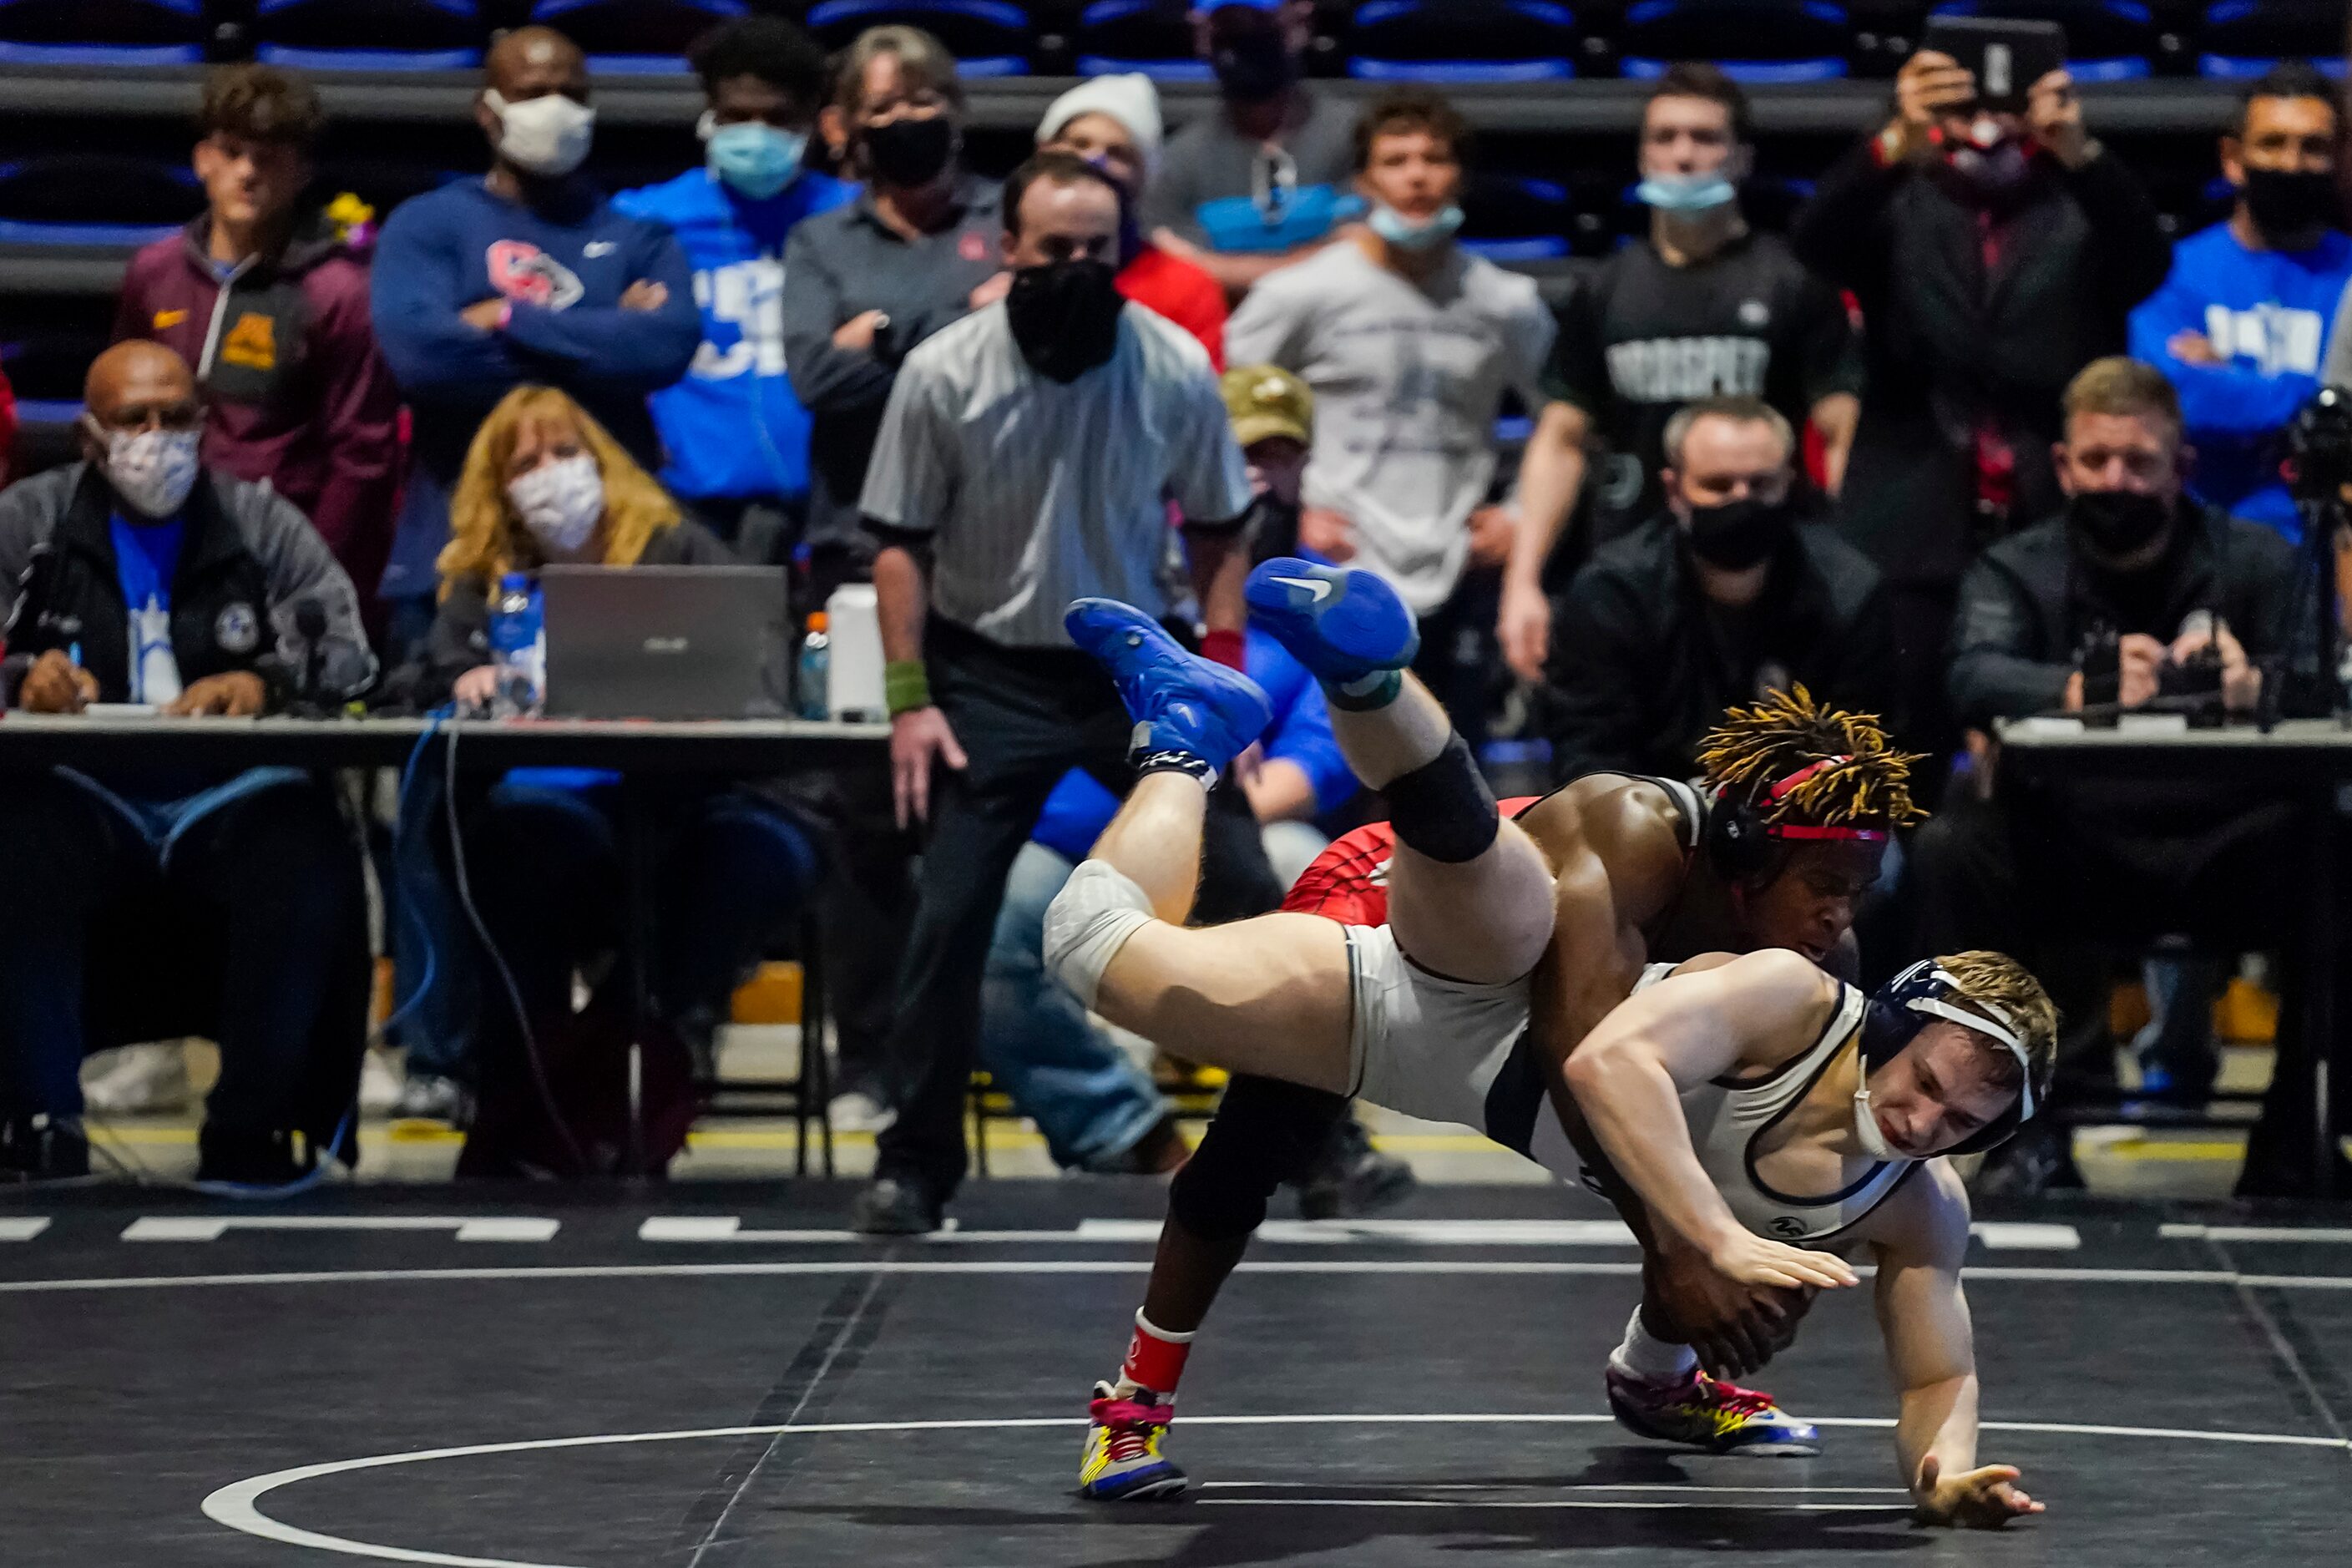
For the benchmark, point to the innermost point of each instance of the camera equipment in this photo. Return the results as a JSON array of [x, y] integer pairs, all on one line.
[[2318, 469]]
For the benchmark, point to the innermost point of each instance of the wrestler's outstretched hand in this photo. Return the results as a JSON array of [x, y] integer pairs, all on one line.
[[1752, 1260], [1983, 1499]]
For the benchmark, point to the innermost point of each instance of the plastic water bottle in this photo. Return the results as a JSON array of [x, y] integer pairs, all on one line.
[[518, 647], [813, 678]]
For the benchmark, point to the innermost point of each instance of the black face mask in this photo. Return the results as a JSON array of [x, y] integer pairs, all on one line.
[[1739, 533], [2117, 522], [1065, 317], [1254, 67], [2289, 201], [907, 151]]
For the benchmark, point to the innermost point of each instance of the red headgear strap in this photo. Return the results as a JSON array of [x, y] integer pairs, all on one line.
[[1793, 832]]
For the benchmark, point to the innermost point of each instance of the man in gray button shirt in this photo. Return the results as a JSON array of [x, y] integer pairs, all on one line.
[[1027, 458]]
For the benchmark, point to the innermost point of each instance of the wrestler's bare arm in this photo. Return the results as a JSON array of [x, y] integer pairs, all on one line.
[[1744, 1016], [1920, 1237]]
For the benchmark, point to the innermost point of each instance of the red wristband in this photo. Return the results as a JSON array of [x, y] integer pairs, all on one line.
[[1226, 648]]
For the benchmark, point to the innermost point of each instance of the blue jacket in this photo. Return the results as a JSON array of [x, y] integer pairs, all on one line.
[[733, 426], [2269, 313], [563, 271], [1080, 808]]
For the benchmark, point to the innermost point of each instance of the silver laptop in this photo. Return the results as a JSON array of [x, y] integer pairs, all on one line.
[[666, 642]]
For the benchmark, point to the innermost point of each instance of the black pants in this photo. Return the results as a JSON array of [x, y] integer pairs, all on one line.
[[1024, 718], [1923, 666], [251, 930], [1460, 653]]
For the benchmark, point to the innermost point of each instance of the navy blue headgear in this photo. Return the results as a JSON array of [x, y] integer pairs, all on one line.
[[1907, 1004]]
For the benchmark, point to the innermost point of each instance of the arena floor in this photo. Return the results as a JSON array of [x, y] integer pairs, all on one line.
[[712, 1376]]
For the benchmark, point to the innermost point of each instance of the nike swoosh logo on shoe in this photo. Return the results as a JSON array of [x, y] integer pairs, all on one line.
[[1318, 587]]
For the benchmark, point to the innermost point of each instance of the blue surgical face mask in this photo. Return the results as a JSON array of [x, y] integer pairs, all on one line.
[[1685, 193], [756, 159], [1406, 234]]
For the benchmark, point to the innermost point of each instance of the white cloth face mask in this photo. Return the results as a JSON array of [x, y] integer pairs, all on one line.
[[561, 502]]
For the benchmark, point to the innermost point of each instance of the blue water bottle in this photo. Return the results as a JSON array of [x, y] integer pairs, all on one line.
[[813, 679], [518, 647]]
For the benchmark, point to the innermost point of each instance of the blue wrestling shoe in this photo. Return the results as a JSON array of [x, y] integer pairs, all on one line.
[[1183, 705], [1342, 624], [1707, 1414]]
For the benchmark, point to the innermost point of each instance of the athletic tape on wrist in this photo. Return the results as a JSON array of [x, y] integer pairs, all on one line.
[[906, 686]]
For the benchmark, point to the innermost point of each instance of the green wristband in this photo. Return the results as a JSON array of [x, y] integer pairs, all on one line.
[[906, 686]]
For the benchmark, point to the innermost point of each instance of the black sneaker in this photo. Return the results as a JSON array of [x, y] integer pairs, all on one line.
[[1349, 1177], [2038, 1160], [42, 1149], [895, 1205]]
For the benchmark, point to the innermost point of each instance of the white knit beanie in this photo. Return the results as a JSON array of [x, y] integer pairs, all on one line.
[[1131, 99]]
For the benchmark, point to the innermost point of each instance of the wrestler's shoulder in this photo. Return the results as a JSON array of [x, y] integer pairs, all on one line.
[[1614, 815]]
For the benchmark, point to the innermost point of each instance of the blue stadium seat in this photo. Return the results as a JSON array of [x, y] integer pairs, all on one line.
[[1513, 217], [94, 199], [988, 37], [2246, 38], [1146, 36], [1464, 41], [101, 32], [369, 35], [2107, 40], [635, 37], [1753, 40]]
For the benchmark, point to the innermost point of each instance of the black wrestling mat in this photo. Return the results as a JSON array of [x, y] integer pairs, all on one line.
[[705, 1376]]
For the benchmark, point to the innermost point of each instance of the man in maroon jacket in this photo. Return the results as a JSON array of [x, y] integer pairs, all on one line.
[[270, 304]]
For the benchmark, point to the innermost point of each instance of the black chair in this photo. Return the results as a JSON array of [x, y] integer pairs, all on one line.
[[369, 35], [1515, 217], [94, 199], [1148, 36], [1450, 41], [101, 32], [635, 37], [988, 37], [1753, 40], [2243, 38]]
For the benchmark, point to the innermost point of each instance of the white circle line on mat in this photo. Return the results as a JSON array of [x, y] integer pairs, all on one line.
[[236, 1505]]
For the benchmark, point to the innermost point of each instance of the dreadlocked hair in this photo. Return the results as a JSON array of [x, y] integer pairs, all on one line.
[[1785, 732]]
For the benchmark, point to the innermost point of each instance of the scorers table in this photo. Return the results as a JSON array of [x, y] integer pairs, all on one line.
[[637, 749], [2307, 761]]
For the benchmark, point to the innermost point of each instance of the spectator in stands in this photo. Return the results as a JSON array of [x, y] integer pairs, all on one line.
[[736, 436], [264, 298], [545, 484], [1994, 255], [2241, 324], [1720, 597], [1263, 182], [986, 539], [1700, 307], [8, 431], [149, 903], [2133, 590], [1410, 342], [1113, 121], [920, 246], [914, 252], [527, 275]]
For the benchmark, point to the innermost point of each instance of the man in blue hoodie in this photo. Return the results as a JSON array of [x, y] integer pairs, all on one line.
[[527, 275], [2240, 328], [735, 434]]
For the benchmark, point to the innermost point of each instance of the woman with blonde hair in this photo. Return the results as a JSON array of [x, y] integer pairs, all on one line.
[[545, 485]]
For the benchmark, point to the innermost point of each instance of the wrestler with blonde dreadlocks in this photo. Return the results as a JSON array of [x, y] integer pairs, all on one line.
[[1446, 964]]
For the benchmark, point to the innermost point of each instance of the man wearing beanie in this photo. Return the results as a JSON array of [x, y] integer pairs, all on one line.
[[1113, 122]]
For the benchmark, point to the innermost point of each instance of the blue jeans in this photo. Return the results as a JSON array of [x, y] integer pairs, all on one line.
[[1064, 1073]]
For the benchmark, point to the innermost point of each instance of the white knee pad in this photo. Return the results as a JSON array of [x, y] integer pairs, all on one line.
[[1088, 921]]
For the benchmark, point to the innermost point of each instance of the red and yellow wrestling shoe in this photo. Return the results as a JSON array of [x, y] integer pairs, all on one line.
[[1716, 1416], [1122, 1462]]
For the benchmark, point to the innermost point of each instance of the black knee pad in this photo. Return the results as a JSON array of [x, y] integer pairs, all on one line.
[[1443, 809], [1264, 1134]]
